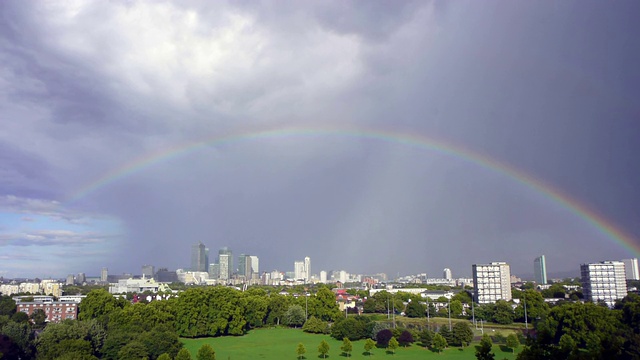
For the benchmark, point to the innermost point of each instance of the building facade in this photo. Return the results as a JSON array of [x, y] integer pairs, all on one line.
[[55, 311], [104, 275], [446, 273], [540, 270], [199, 257], [631, 269], [491, 282], [148, 271], [604, 281]]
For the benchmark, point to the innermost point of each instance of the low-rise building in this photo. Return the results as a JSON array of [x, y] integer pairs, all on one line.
[[56, 311]]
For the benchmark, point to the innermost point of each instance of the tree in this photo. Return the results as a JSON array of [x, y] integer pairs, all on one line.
[[383, 337], [405, 339], [315, 326], [206, 352], [164, 356], [295, 316], [446, 334], [99, 304], [393, 345], [415, 310], [462, 334], [439, 343], [503, 312], [300, 350], [347, 346], [512, 342], [7, 305], [483, 352], [38, 317], [368, 345], [323, 348], [20, 317], [134, 350], [426, 337], [456, 308], [183, 354]]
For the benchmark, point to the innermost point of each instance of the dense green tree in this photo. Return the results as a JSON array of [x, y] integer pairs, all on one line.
[[18, 334], [439, 343], [277, 308], [347, 346], [183, 354], [315, 326], [483, 352], [164, 357], [503, 312], [383, 337], [323, 348], [99, 304], [406, 338], [416, 310], [159, 340], [369, 344], [462, 334], [38, 317], [393, 345], [325, 307], [456, 308], [446, 333], [554, 291], [135, 350], [354, 328], [20, 317], [463, 296], [512, 342], [116, 339], [295, 316], [51, 341], [7, 305], [206, 352], [256, 310], [426, 337], [300, 350], [210, 311], [537, 308]]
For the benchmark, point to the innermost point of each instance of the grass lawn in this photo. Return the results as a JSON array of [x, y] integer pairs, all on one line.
[[280, 343]]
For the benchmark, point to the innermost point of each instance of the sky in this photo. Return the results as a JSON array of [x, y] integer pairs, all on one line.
[[399, 137]]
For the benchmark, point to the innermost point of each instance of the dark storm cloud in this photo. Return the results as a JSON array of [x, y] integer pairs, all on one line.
[[546, 88]]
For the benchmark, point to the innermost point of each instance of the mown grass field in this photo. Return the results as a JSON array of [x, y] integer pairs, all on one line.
[[281, 343]]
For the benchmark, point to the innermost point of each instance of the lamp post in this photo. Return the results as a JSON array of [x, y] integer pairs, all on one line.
[[526, 322], [306, 306], [449, 314], [428, 310]]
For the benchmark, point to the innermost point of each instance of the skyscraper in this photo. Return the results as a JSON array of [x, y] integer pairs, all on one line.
[[604, 281], [104, 274], [148, 271], [298, 270], [307, 269], [540, 270], [198, 257], [491, 282], [631, 269], [225, 254], [446, 273]]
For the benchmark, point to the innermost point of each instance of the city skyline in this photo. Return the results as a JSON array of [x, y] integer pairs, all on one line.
[[398, 138]]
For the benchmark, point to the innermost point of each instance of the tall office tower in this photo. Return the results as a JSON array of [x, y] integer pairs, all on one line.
[[148, 271], [298, 270], [198, 257], [104, 274], [81, 278], [214, 271], [491, 282], [70, 280], [206, 259], [255, 266], [631, 269], [540, 270], [223, 263], [446, 273], [323, 276], [307, 269], [242, 264], [230, 270], [603, 281]]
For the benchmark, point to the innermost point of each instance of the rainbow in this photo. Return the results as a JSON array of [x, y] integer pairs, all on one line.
[[590, 216]]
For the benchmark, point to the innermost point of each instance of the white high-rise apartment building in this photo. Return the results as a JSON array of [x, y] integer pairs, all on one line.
[[298, 270], [491, 282], [323, 276], [255, 263], [224, 261], [307, 269], [603, 281], [104, 274], [540, 270], [446, 273], [631, 269]]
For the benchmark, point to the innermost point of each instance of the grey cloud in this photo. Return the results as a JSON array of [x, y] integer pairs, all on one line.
[[53, 238]]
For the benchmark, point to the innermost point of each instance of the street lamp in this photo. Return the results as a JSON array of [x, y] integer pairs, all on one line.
[[526, 323], [449, 314], [428, 310]]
